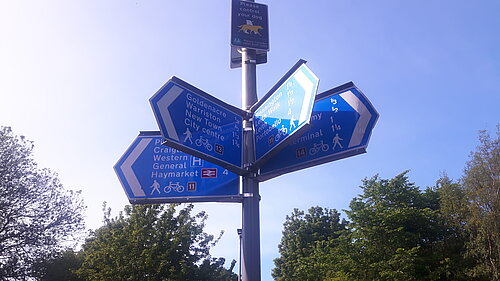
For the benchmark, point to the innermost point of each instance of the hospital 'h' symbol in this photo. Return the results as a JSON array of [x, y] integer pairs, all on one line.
[[196, 162]]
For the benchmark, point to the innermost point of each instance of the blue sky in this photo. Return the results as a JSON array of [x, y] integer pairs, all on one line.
[[76, 77]]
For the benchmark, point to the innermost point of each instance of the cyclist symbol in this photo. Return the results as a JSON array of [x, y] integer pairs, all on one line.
[[283, 131], [175, 186], [201, 141], [317, 146]]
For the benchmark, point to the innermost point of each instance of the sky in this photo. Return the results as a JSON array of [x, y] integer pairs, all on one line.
[[76, 77]]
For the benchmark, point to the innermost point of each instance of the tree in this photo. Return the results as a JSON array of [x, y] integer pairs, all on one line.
[[152, 242], [398, 231], [37, 215], [302, 234], [62, 267], [453, 210], [481, 183], [395, 230]]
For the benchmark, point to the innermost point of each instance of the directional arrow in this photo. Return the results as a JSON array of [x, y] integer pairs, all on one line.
[[153, 173], [170, 96], [364, 117], [197, 123], [129, 175], [341, 124]]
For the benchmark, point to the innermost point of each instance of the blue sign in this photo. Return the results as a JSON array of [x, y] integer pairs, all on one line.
[[154, 173], [341, 124], [284, 111], [199, 124], [249, 25]]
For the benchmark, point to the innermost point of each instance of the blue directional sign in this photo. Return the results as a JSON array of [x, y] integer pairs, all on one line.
[[154, 173], [341, 124], [199, 124], [283, 111], [249, 25]]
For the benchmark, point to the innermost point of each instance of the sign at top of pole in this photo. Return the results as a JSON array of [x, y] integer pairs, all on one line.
[[249, 25], [199, 124], [283, 111]]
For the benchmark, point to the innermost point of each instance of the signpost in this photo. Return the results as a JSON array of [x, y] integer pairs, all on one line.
[[154, 173], [289, 129], [199, 124], [341, 124], [249, 25], [283, 111]]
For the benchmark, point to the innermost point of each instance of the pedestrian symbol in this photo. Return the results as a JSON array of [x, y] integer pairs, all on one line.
[[189, 135], [292, 123], [155, 186], [336, 141]]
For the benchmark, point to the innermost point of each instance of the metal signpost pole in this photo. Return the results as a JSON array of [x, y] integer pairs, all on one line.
[[250, 206], [192, 121]]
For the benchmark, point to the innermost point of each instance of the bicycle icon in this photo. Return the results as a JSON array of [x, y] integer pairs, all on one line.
[[319, 146], [281, 132], [175, 186], [201, 141]]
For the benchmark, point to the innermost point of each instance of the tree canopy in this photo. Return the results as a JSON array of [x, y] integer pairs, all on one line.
[[398, 231], [37, 215], [152, 242], [302, 232], [481, 185]]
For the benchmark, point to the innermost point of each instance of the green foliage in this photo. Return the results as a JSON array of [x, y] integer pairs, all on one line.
[[62, 267], [396, 230], [453, 210], [152, 242], [36, 214], [301, 235], [482, 218]]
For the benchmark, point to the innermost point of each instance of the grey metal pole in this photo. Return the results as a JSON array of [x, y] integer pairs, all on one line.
[[250, 213], [239, 263]]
